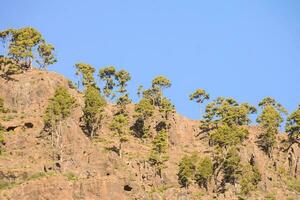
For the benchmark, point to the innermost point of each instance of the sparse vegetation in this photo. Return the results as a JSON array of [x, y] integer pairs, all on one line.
[[229, 162], [71, 176]]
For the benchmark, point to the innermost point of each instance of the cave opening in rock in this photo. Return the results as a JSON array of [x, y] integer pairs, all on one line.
[[28, 125], [127, 188]]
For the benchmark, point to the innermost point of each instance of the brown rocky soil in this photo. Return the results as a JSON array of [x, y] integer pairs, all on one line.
[[91, 171]]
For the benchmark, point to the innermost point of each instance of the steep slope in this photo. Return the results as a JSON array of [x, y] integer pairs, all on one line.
[[91, 170]]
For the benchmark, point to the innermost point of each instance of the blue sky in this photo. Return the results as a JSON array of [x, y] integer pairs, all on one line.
[[241, 49]]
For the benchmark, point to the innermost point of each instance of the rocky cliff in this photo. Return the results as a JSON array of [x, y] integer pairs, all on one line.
[[91, 170]]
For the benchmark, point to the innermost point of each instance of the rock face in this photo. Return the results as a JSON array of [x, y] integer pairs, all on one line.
[[90, 170]]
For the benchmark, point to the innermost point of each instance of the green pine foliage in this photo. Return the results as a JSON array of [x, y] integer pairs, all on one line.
[[249, 178], [120, 127], [195, 169], [23, 46], [8, 67], [228, 111], [152, 99], [204, 171], [187, 167], [225, 136], [293, 126], [231, 165], [108, 75], [144, 110], [158, 155], [93, 111], [86, 72], [224, 122], [59, 108], [46, 53], [269, 121], [199, 96]]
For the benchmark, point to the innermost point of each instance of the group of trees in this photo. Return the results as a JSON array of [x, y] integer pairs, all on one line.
[[94, 103], [224, 121], [152, 100], [22, 47]]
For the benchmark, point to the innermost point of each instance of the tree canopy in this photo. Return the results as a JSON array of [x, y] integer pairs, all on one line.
[[24, 44]]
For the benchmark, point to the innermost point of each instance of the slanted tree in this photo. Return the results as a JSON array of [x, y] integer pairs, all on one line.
[[93, 111], [158, 155], [22, 46], [86, 72], [59, 108], [269, 120], [293, 126], [108, 75], [199, 96]]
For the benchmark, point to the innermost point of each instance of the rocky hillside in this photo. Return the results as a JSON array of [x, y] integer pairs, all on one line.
[[92, 169]]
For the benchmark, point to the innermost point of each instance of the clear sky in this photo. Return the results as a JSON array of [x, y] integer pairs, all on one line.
[[241, 49]]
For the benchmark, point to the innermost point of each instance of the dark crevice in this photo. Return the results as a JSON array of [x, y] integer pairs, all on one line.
[[127, 188], [28, 125], [11, 128]]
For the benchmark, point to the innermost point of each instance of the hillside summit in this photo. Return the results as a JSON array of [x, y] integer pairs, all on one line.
[[64, 141]]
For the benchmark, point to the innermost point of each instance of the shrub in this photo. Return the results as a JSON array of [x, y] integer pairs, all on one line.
[[195, 168], [249, 178], [187, 167], [204, 171]]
